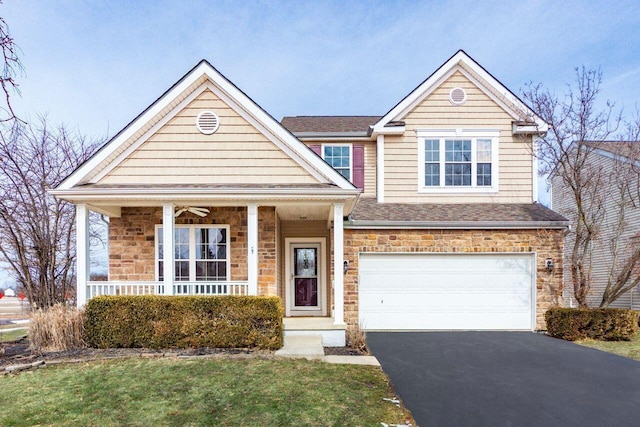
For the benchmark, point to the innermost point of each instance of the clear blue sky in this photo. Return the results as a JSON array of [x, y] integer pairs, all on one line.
[[94, 65]]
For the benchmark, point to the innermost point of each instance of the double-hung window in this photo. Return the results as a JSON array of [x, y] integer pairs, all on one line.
[[201, 252], [340, 158], [458, 160]]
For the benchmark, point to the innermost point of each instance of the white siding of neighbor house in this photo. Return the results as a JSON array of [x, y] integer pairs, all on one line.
[[601, 259], [236, 153], [478, 112]]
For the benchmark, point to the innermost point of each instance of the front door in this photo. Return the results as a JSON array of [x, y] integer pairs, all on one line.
[[306, 287]]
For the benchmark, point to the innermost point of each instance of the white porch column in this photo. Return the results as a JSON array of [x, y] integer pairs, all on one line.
[[534, 167], [82, 254], [380, 168], [338, 264], [252, 248], [168, 265]]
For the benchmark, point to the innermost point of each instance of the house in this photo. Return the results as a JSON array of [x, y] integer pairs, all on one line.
[[614, 163], [423, 218]]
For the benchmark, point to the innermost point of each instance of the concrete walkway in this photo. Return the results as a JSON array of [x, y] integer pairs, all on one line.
[[310, 347]]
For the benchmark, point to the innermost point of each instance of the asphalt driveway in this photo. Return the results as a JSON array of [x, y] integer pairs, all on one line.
[[507, 379]]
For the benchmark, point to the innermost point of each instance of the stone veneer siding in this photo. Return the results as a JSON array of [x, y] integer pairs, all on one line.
[[132, 243], [545, 243]]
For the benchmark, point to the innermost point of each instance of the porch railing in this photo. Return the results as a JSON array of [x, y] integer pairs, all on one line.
[[95, 289]]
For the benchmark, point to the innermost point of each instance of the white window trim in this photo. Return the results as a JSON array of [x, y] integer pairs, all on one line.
[[350, 146], [473, 135], [192, 250]]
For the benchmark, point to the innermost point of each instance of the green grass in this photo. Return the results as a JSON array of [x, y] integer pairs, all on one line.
[[630, 349], [170, 392], [13, 335]]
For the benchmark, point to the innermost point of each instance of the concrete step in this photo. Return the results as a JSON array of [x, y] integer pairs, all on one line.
[[332, 335], [309, 346]]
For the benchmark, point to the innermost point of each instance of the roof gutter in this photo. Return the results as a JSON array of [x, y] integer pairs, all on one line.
[[322, 135], [455, 225]]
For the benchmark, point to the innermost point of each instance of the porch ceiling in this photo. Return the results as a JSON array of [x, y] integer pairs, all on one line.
[[308, 212]]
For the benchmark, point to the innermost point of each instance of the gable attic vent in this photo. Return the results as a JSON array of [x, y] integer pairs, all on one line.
[[207, 122], [457, 96]]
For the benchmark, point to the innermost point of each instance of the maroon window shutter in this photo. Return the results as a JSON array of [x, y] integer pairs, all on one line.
[[316, 149], [358, 166]]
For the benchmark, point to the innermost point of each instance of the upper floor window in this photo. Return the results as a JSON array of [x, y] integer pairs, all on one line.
[[458, 160], [339, 157], [201, 252]]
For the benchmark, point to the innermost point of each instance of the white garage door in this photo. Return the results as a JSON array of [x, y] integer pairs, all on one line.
[[446, 291]]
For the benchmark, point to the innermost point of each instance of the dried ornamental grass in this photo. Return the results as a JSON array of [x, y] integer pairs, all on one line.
[[356, 337], [57, 328]]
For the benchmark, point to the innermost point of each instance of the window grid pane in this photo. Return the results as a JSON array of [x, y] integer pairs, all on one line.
[[338, 158], [432, 162], [484, 174], [457, 169], [210, 258]]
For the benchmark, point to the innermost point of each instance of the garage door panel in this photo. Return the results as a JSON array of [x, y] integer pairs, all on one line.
[[436, 291]]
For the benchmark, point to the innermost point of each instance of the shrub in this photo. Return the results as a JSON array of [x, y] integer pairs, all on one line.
[[153, 321], [56, 328], [605, 324]]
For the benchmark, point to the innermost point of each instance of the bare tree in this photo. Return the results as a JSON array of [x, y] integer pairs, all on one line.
[[11, 68], [37, 231], [576, 126]]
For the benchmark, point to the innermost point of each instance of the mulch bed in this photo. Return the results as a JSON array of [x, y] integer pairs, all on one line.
[[18, 352]]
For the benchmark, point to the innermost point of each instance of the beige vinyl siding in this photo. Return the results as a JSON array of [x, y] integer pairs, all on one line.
[[370, 169], [478, 112], [146, 127], [179, 154], [601, 258], [289, 229]]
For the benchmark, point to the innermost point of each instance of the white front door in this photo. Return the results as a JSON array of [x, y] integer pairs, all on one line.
[[306, 285]]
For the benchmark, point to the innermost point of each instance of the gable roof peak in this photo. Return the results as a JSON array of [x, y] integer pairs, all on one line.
[[168, 104], [463, 62]]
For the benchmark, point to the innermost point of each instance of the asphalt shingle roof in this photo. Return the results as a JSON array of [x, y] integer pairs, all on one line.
[[321, 124], [629, 149], [369, 210]]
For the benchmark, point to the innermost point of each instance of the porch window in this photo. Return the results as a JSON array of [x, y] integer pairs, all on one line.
[[201, 253], [339, 157], [458, 160]]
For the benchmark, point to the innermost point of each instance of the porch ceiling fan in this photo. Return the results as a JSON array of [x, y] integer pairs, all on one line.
[[201, 212]]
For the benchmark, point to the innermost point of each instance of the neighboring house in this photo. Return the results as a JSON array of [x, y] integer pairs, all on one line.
[[423, 218], [613, 161]]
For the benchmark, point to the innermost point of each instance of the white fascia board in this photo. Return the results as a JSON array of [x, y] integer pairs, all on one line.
[[272, 129], [386, 130], [617, 157], [330, 135], [112, 146], [110, 198], [444, 72], [454, 225], [155, 128], [362, 139], [167, 193]]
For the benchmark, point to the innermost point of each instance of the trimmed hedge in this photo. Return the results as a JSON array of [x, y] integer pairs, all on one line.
[[604, 324], [153, 321]]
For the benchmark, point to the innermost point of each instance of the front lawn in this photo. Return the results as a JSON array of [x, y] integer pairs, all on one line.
[[13, 335], [242, 392], [630, 349]]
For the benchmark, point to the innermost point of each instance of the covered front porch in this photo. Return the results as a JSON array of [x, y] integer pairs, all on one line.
[[283, 248]]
